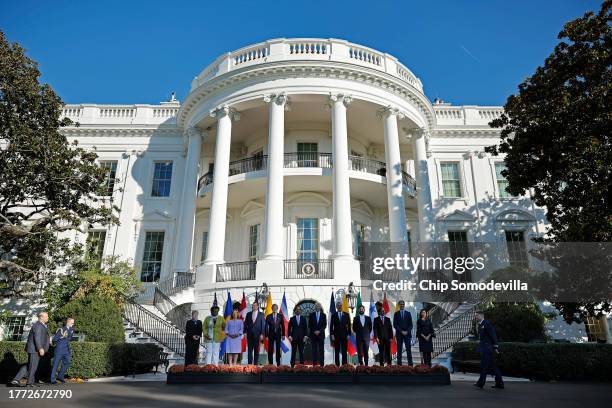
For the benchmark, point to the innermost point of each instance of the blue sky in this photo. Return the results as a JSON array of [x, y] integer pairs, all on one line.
[[465, 52]]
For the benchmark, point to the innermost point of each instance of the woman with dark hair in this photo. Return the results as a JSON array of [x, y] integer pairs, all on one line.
[[425, 334]]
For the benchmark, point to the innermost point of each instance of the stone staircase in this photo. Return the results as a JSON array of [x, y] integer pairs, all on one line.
[[134, 335]]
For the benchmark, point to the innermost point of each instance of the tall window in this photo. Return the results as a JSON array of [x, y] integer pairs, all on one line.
[[204, 246], [307, 154], [409, 242], [152, 256], [258, 160], [502, 183], [95, 244], [14, 328], [458, 246], [517, 250], [359, 239], [308, 239], [451, 183], [253, 242], [162, 178], [111, 175]]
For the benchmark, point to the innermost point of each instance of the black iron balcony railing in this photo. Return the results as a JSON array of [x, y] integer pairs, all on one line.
[[236, 271], [309, 269], [308, 159], [367, 165], [176, 283]]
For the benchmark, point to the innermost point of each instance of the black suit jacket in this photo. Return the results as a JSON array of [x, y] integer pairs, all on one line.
[[297, 332], [313, 325], [193, 328], [383, 331], [256, 328], [402, 324], [38, 338], [275, 329], [362, 332], [340, 329]]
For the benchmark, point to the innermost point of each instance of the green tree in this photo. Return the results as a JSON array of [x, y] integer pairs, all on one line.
[[111, 278], [555, 135], [97, 317], [47, 184]]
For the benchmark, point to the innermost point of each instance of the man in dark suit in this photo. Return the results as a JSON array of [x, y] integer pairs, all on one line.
[[36, 347], [487, 346], [362, 327], [402, 323], [255, 328], [384, 333], [61, 340], [193, 333], [339, 331], [317, 322], [275, 332], [298, 330]]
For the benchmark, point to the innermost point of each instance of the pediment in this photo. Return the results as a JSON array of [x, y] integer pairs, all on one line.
[[457, 216], [514, 216], [155, 215]]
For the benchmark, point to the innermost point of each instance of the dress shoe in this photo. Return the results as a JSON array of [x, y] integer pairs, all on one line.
[[14, 383]]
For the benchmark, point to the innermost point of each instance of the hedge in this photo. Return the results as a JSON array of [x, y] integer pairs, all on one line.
[[89, 359], [547, 361]]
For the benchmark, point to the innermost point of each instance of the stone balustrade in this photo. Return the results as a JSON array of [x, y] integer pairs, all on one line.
[[282, 49], [447, 115], [85, 114]]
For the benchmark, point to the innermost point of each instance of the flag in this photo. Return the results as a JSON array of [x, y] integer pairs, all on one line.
[[267, 313], [373, 315], [284, 311], [389, 314], [359, 303], [227, 314], [352, 343], [215, 303], [332, 310], [243, 313]]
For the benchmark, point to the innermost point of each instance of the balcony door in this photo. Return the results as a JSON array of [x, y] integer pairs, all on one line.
[[307, 154], [307, 241]]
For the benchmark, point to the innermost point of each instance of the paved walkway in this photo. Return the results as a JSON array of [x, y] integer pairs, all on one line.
[[459, 394]]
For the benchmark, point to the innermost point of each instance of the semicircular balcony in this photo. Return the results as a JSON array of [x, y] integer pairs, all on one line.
[[301, 163]]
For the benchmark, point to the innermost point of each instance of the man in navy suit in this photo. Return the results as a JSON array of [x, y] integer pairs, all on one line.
[[339, 330], [317, 322], [255, 328], [487, 346], [62, 339], [362, 327], [402, 323], [297, 331], [384, 334], [275, 331]]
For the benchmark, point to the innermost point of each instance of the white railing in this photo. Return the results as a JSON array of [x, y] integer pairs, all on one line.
[[85, 114], [165, 112], [466, 115], [117, 112], [72, 112], [282, 49]]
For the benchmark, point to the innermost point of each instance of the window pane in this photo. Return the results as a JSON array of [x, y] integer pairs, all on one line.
[[502, 183], [517, 250], [14, 328], [95, 244], [204, 246], [111, 175], [451, 183], [308, 239], [253, 242], [162, 177], [152, 256]]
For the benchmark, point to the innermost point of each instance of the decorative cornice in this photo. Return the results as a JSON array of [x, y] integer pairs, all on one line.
[[120, 132], [316, 69], [470, 132]]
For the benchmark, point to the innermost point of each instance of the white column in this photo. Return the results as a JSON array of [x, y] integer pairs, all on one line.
[[395, 189], [273, 229], [218, 206], [342, 229], [186, 222], [424, 204]]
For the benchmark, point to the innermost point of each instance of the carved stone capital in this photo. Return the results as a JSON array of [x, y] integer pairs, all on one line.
[[389, 111], [225, 110], [345, 99], [414, 132]]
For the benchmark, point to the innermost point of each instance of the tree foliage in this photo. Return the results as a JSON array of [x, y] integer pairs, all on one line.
[[555, 135], [48, 186], [112, 279]]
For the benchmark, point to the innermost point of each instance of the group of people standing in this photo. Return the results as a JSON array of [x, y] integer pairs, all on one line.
[[257, 328]]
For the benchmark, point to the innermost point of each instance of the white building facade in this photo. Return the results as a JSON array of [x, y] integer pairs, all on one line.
[[283, 158]]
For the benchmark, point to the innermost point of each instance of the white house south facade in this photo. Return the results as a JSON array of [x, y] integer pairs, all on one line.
[[283, 158]]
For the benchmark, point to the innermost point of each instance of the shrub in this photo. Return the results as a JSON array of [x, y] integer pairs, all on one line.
[[547, 361], [520, 322], [99, 318], [88, 359]]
